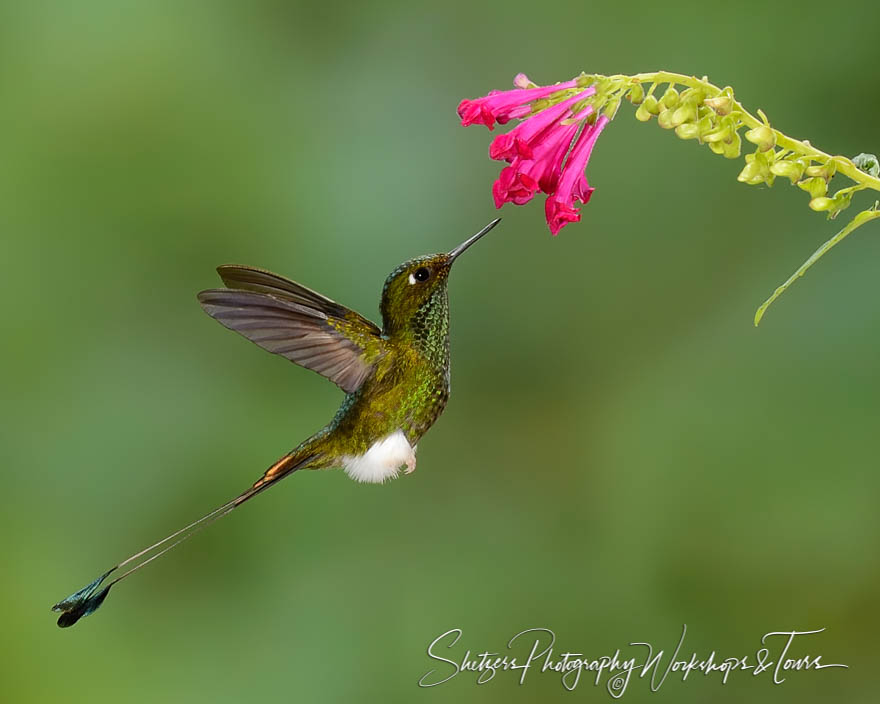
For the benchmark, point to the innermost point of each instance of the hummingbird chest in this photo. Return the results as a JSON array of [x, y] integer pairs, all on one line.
[[408, 394], [381, 422]]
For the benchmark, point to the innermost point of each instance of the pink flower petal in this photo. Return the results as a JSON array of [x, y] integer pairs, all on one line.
[[504, 146], [514, 186], [573, 185], [559, 214], [502, 106]]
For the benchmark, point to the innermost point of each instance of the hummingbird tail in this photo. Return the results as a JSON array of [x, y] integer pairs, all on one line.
[[88, 599]]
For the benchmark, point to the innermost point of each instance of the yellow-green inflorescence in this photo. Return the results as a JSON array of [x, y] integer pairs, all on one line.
[[696, 109]]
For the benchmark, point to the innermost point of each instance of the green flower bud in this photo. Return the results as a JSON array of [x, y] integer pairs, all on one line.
[[670, 98], [763, 136], [816, 186], [821, 203], [732, 147], [751, 174], [717, 147], [763, 161], [664, 119], [636, 94], [791, 170], [842, 199], [642, 114], [706, 124], [721, 104], [688, 130], [686, 112], [652, 105], [719, 134], [825, 170]]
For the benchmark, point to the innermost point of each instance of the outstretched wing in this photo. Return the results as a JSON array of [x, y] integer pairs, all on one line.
[[297, 323]]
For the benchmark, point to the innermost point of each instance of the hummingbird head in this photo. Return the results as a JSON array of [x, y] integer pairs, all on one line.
[[415, 292]]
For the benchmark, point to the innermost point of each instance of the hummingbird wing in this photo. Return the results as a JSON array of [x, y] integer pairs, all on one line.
[[293, 321]]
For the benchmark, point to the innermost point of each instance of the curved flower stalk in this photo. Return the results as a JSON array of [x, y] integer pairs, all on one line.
[[549, 150]]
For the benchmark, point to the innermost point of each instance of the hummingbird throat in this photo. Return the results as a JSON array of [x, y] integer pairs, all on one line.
[[430, 328]]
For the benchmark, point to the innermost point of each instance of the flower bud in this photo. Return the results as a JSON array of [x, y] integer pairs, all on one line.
[[521, 80], [721, 104], [706, 124], [688, 130], [693, 95], [670, 97], [719, 134], [751, 174], [717, 147], [664, 119], [791, 170], [842, 200], [687, 112], [763, 136], [732, 147], [821, 203], [643, 114], [636, 94], [816, 186], [825, 170]]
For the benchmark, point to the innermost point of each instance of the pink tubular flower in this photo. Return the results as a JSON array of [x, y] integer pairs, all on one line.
[[537, 148], [540, 171], [559, 208], [513, 186], [523, 139], [502, 106]]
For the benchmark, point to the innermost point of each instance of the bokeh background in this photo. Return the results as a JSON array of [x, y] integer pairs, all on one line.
[[623, 452]]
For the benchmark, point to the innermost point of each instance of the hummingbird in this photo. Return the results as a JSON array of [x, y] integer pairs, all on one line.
[[395, 379]]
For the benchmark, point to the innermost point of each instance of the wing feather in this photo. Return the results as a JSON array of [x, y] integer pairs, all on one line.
[[297, 323]]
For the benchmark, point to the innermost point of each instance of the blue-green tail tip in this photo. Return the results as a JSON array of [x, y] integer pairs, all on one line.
[[84, 602]]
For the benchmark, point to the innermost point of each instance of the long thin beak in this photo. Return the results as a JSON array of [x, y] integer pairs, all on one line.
[[453, 255]]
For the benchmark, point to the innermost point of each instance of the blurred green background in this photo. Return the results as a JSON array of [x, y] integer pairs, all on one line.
[[623, 452]]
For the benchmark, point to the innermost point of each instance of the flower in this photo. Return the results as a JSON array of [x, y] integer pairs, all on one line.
[[548, 151], [523, 138], [502, 106], [538, 169], [559, 208]]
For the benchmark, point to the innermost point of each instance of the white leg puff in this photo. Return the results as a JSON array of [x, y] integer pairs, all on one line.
[[382, 461]]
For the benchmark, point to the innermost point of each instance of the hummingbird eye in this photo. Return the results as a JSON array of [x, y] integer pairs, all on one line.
[[421, 274]]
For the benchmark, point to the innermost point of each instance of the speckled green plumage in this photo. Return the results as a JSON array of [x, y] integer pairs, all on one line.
[[409, 385]]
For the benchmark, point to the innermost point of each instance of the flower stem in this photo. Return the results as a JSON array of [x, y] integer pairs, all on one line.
[[714, 117], [844, 166]]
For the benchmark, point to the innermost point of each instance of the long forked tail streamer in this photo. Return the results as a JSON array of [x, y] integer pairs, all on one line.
[[88, 599]]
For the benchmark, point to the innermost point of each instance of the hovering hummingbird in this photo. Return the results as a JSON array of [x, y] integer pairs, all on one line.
[[396, 380]]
